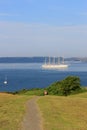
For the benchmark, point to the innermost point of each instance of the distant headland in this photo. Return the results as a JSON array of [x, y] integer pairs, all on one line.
[[36, 59]]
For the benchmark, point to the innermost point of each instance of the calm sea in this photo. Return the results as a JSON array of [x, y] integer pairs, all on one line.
[[31, 75]]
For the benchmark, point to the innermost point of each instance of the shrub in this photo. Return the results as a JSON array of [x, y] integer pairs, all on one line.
[[65, 87]]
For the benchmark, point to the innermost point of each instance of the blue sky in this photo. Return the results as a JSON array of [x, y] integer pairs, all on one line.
[[43, 28]]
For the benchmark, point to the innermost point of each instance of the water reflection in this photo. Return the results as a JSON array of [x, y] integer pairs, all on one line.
[[72, 66]]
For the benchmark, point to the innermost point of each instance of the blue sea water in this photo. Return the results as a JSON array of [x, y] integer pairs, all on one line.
[[31, 75]]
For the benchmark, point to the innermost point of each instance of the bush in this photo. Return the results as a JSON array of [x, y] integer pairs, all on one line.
[[33, 91], [65, 87]]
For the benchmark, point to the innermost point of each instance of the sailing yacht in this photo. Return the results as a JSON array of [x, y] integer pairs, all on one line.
[[54, 65], [5, 81]]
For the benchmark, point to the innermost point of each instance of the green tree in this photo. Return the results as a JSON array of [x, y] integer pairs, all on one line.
[[65, 87]]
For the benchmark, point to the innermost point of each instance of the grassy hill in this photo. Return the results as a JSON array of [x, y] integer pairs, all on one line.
[[12, 109], [58, 112], [64, 113]]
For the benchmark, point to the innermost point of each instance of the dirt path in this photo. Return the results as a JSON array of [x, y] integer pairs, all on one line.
[[32, 119]]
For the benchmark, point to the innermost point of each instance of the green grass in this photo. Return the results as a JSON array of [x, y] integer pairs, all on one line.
[[64, 113], [34, 91], [12, 108], [58, 112]]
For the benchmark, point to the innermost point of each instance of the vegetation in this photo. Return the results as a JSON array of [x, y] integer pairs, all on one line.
[[33, 91], [69, 85], [12, 108], [64, 113], [58, 112]]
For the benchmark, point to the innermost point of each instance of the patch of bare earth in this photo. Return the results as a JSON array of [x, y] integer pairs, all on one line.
[[32, 119]]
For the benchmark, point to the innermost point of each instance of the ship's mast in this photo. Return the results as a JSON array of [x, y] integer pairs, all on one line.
[[49, 61], [58, 60], [45, 60], [54, 60], [63, 60]]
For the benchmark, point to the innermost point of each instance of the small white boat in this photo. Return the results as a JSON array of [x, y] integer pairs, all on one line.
[[5, 82]]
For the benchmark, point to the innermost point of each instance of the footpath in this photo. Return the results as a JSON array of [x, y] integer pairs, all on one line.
[[32, 119]]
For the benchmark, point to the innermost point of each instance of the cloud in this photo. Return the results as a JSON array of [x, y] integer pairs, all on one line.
[[7, 14], [42, 39], [83, 14], [56, 8], [40, 31], [5, 1]]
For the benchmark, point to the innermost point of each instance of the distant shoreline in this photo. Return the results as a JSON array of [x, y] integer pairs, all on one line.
[[36, 59]]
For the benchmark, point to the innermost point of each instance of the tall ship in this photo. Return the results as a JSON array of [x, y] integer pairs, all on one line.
[[54, 63]]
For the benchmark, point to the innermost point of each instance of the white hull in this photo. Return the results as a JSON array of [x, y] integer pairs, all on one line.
[[5, 82], [50, 66]]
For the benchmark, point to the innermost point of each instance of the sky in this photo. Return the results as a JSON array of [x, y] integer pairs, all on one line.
[[43, 28]]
